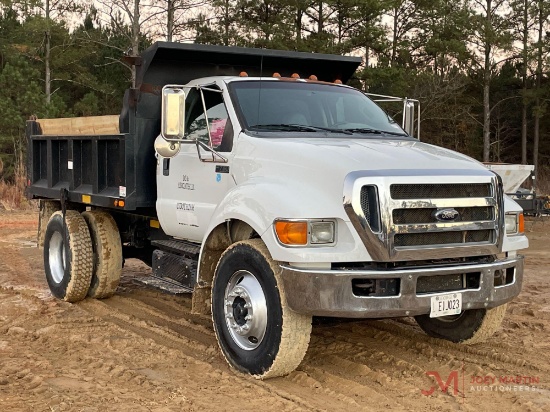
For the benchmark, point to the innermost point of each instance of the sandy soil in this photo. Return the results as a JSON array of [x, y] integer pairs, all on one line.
[[142, 350]]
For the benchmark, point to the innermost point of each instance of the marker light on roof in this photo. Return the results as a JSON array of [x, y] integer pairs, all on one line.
[[276, 74], [243, 74], [295, 76], [338, 81], [312, 77]]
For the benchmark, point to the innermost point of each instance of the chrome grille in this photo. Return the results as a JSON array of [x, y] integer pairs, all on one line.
[[442, 238], [405, 205], [439, 191], [466, 214]]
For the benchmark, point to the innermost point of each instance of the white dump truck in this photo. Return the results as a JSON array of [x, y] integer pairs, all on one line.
[[259, 182]]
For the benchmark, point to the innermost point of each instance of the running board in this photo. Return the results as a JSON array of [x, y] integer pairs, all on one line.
[[179, 247], [163, 284]]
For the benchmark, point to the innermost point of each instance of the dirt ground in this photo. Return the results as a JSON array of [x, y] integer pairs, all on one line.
[[142, 350]]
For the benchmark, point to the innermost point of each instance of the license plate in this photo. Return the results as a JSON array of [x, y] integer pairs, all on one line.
[[444, 305]]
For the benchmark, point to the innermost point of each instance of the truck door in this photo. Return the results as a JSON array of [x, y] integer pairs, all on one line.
[[190, 186]]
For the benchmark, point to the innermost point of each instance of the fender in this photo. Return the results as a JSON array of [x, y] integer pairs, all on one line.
[[257, 202]]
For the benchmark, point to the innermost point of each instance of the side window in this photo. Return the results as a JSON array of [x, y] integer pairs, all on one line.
[[221, 130]]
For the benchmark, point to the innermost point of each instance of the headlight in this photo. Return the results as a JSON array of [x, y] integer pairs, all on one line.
[[514, 223], [305, 232], [321, 232]]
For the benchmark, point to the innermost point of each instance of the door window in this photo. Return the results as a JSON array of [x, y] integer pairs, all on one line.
[[221, 130]]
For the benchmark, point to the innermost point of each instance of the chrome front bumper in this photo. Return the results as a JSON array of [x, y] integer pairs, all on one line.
[[329, 292]]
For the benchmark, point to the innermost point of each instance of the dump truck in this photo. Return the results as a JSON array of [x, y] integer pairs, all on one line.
[[259, 182]]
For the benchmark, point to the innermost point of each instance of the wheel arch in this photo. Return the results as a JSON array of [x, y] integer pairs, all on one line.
[[221, 236]]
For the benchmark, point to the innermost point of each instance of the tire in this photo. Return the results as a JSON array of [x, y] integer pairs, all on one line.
[[107, 249], [68, 267], [470, 327], [277, 338]]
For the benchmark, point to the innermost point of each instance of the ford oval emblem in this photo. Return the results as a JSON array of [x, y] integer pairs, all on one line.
[[446, 215]]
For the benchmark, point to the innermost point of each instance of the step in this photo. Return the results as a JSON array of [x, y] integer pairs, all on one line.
[[181, 247], [163, 284]]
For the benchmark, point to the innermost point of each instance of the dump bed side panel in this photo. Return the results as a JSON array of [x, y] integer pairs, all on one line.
[[98, 170]]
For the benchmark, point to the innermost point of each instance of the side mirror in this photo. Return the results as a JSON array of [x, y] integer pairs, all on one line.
[[173, 113], [408, 117]]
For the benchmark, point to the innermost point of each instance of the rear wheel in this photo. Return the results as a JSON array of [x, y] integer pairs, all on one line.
[[68, 256], [257, 332], [469, 327], [107, 249]]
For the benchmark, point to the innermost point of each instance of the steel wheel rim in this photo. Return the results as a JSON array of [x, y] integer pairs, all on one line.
[[245, 310], [56, 259]]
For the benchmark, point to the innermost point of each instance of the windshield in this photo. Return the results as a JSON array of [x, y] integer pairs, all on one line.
[[306, 107]]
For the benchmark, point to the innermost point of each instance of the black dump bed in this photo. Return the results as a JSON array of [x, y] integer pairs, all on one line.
[[103, 169]]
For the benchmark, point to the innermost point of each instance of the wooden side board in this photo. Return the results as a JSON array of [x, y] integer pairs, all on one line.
[[80, 126]]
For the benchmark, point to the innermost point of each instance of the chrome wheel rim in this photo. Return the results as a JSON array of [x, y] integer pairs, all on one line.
[[245, 310], [57, 257]]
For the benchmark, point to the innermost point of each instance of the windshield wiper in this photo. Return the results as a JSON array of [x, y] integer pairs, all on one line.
[[375, 131], [296, 128]]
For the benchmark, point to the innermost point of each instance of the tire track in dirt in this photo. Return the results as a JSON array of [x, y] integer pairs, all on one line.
[[140, 322], [181, 325], [406, 338]]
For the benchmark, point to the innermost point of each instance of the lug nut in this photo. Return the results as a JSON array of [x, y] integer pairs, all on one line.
[[248, 317]]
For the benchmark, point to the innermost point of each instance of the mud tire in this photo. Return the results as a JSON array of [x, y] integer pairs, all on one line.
[[471, 327], [107, 249], [287, 334], [68, 267]]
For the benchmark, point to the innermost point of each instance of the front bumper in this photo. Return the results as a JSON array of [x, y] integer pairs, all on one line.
[[330, 292]]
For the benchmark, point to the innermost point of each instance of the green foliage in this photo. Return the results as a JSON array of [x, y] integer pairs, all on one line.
[[433, 50]]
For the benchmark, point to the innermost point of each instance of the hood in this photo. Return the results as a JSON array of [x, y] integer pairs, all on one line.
[[342, 156]]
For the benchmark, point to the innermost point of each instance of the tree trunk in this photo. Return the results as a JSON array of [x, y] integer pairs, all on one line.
[[135, 39], [170, 20], [394, 37], [525, 57], [536, 131], [47, 57], [226, 22], [298, 23], [487, 88], [321, 21]]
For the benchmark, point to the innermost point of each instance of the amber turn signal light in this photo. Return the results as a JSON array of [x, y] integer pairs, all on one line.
[[521, 223], [291, 232]]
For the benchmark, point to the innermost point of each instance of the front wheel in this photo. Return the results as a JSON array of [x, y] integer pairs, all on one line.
[[256, 330], [469, 327]]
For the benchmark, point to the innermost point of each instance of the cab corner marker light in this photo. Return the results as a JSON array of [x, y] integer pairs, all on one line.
[[337, 81], [243, 74], [291, 232], [521, 223]]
